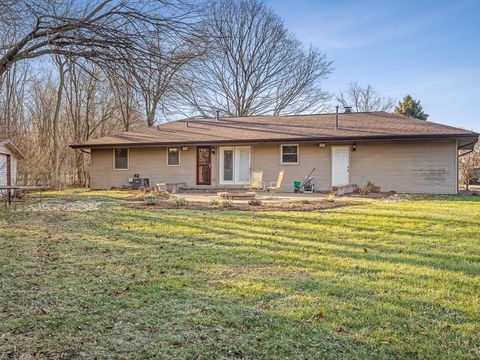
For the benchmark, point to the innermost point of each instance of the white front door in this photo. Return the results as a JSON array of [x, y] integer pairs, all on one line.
[[340, 165], [235, 165]]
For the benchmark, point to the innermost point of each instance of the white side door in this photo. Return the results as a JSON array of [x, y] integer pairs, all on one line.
[[340, 165]]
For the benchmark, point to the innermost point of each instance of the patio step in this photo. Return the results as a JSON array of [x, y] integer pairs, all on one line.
[[344, 189], [249, 195]]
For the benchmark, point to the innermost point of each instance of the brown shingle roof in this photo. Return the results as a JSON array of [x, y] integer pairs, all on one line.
[[320, 127]]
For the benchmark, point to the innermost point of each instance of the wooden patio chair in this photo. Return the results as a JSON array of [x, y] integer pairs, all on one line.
[[278, 185], [257, 181]]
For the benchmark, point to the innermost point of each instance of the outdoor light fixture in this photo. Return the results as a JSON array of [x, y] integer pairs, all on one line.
[[354, 147], [184, 148]]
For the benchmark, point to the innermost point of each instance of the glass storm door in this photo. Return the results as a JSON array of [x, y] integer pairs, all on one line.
[[242, 166], [226, 165], [204, 165], [235, 165]]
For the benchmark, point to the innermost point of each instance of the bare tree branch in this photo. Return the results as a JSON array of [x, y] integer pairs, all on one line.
[[254, 66], [365, 99], [104, 32]]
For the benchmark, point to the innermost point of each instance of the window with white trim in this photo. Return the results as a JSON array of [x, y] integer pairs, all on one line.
[[120, 161], [289, 154], [173, 156]]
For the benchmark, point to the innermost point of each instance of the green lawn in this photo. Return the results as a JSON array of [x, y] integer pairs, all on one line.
[[376, 280]]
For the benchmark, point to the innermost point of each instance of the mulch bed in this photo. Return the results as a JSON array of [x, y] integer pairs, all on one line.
[[265, 206]]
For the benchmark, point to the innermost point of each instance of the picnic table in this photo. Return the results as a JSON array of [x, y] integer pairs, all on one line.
[[10, 192]]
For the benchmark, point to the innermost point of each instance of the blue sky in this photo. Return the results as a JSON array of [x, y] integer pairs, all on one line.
[[428, 49]]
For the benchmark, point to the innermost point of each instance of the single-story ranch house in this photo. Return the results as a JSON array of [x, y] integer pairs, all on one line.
[[9, 155], [395, 152]]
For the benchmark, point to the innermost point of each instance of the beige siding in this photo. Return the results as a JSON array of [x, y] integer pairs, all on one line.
[[3, 166], [398, 166], [148, 162], [420, 167], [267, 158]]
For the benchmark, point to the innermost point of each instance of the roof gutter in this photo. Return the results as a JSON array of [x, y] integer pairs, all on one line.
[[469, 151], [289, 140]]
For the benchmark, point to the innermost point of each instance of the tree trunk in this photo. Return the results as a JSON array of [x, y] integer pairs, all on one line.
[[56, 150], [150, 117], [79, 166]]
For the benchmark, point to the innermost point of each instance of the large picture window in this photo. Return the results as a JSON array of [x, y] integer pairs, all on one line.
[[173, 156], [120, 161], [289, 154]]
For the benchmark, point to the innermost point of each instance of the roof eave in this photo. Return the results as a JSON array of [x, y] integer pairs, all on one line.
[[20, 155], [461, 137]]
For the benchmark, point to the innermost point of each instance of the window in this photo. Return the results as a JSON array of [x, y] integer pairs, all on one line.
[[173, 156], [289, 154], [120, 159]]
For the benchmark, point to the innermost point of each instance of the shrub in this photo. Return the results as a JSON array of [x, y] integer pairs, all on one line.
[[331, 196], [180, 201], [255, 202], [371, 185], [151, 200], [226, 204], [305, 201], [214, 202]]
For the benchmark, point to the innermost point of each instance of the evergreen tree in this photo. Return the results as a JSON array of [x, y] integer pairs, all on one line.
[[411, 108]]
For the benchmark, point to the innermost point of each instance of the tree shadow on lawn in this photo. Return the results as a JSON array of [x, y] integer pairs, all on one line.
[[161, 312], [295, 240], [287, 250], [434, 197], [305, 294], [393, 219]]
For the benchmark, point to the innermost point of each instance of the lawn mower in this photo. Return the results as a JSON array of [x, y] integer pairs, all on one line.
[[307, 186]]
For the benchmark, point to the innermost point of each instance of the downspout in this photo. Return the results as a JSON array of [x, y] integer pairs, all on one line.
[[457, 178]]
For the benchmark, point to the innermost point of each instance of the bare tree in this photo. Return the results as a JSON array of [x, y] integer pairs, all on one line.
[[102, 31], [365, 99], [97, 41], [12, 98], [158, 76], [126, 99], [37, 143], [469, 165], [254, 65], [83, 95], [55, 131]]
